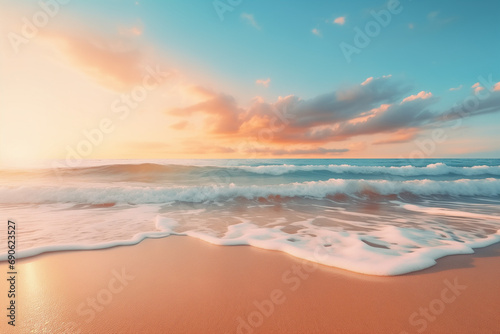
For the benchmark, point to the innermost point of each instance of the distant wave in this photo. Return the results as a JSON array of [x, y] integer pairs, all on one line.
[[197, 194], [144, 168], [153, 170], [429, 170]]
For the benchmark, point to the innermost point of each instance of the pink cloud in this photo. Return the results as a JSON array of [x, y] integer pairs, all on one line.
[[369, 109], [422, 95], [400, 136], [339, 20], [334, 116], [115, 62], [224, 115], [367, 81], [179, 125], [133, 31], [297, 151], [372, 113], [263, 82], [456, 88], [477, 87]]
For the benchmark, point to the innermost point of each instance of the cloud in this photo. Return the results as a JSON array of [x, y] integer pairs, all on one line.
[[198, 147], [400, 136], [379, 106], [339, 20], [132, 31], [224, 115], [250, 20], [299, 151], [263, 82], [481, 102], [179, 125], [315, 120], [112, 61], [367, 81], [422, 95], [149, 147], [200, 92], [391, 119], [316, 32], [477, 87], [135, 30], [369, 114], [343, 104], [456, 88]]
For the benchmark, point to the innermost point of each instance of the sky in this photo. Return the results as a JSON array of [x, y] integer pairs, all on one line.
[[248, 79]]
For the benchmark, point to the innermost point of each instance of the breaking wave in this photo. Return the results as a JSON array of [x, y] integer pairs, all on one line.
[[196, 194]]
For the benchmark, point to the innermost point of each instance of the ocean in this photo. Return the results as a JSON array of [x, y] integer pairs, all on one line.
[[370, 216]]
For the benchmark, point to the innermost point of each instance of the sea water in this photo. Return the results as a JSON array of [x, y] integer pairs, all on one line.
[[371, 216]]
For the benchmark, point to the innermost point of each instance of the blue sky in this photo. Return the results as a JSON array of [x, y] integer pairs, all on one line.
[[451, 42], [286, 54]]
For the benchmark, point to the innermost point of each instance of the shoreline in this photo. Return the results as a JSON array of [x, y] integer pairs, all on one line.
[[144, 236], [185, 285]]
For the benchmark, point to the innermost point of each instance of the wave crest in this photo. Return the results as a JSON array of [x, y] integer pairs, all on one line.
[[429, 170], [489, 187]]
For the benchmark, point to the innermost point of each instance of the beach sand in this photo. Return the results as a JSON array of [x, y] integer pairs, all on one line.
[[183, 285]]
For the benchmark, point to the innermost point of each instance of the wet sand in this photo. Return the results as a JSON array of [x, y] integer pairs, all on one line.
[[184, 285]]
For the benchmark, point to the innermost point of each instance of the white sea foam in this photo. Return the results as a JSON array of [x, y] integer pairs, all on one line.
[[429, 170], [164, 225], [388, 251], [196, 194], [446, 212], [401, 250]]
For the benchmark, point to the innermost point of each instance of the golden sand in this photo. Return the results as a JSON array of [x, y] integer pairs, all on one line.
[[183, 285]]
